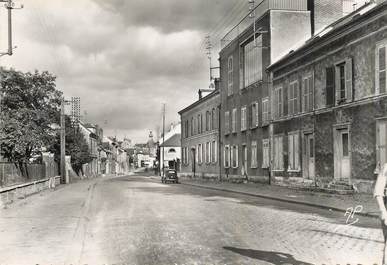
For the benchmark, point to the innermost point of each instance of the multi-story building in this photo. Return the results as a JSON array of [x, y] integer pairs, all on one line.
[[329, 104], [261, 38], [200, 137]]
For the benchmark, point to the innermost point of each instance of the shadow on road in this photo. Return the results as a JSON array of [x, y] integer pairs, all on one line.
[[277, 258], [344, 235]]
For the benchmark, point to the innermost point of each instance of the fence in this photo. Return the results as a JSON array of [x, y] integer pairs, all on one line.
[[10, 174]]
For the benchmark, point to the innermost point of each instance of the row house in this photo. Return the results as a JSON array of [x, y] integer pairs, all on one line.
[[200, 137], [272, 28], [329, 104]]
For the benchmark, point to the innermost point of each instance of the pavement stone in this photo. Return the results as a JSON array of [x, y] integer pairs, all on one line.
[[335, 202]]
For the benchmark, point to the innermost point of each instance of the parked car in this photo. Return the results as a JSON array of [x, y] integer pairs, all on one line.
[[170, 175]]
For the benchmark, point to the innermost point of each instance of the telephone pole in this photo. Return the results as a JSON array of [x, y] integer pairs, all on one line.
[[64, 178], [9, 5], [162, 148]]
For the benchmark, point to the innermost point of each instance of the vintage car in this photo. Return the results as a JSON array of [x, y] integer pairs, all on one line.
[[170, 175]]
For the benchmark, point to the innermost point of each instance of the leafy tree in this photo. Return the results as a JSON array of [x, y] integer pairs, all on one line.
[[76, 147], [29, 107]]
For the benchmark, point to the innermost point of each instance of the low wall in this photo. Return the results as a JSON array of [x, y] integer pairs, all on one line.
[[226, 178], [12, 193]]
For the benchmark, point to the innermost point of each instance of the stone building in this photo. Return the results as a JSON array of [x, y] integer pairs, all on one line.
[[329, 105], [200, 137], [261, 38]]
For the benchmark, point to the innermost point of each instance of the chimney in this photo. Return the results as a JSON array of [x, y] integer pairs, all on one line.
[[200, 94]]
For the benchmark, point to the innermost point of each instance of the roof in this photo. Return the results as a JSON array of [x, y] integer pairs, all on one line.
[[174, 141], [215, 92], [329, 32]]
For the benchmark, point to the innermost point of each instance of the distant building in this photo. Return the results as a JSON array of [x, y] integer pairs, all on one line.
[[170, 148], [75, 112]]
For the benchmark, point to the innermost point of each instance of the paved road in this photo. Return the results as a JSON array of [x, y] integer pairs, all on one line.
[[138, 220]]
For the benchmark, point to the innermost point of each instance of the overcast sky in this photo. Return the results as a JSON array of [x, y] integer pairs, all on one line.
[[123, 58]]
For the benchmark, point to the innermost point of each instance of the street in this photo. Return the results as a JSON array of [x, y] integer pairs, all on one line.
[[137, 220]]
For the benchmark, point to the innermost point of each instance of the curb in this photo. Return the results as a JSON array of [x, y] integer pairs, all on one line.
[[325, 207]]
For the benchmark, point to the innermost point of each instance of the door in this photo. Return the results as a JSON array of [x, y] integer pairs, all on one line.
[[244, 161], [342, 155], [308, 156]]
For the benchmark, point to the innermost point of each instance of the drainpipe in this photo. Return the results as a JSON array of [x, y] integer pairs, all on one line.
[[219, 144]]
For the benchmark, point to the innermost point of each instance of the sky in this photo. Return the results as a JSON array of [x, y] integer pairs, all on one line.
[[124, 59]]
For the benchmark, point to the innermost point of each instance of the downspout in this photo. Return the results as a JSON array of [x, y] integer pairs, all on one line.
[[219, 144]]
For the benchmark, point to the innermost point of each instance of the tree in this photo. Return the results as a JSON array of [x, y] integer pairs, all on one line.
[[30, 106], [76, 146]]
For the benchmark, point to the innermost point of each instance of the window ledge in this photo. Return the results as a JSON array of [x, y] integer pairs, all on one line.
[[294, 170], [278, 170], [254, 167]]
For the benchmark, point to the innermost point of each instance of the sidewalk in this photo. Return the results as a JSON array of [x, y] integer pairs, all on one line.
[[317, 199]]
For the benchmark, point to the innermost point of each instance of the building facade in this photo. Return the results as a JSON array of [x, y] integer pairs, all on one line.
[[329, 105], [277, 26], [200, 138]]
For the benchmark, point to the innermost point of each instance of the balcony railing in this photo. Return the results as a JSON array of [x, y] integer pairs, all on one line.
[[258, 12]]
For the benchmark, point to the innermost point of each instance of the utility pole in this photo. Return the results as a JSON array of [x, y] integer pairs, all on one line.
[[9, 5], [64, 179], [162, 148]]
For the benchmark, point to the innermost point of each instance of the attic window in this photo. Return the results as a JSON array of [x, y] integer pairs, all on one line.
[[172, 150]]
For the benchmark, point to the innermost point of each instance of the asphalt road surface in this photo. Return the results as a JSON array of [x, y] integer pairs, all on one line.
[[137, 220]]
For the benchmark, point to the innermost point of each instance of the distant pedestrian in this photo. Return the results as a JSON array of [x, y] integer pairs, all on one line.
[[380, 195]]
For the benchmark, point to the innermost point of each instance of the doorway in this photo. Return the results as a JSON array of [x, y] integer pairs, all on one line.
[[308, 155], [342, 154]]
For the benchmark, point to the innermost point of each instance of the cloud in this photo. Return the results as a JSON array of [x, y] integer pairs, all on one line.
[[123, 58]]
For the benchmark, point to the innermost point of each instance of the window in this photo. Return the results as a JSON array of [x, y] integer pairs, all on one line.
[[200, 153], [254, 115], [227, 122], [293, 98], [343, 81], [230, 79], [234, 156], [253, 61], [200, 123], [226, 156], [192, 126], [233, 120], [278, 153], [345, 144], [243, 118], [265, 110], [293, 151], [208, 150], [381, 62], [278, 102], [307, 93], [381, 143], [172, 150], [265, 153], [254, 161], [213, 152]]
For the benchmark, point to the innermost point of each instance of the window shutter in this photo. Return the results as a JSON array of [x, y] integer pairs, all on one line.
[[236, 155], [296, 101], [349, 79], [296, 152], [290, 152], [281, 158], [337, 85], [256, 114], [304, 98], [241, 67], [330, 87], [311, 92]]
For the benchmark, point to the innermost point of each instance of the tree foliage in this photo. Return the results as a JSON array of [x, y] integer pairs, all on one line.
[[76, 146], [30, 106]]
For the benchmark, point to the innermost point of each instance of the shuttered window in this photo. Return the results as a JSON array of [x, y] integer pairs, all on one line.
[[254, 160], [278, 153], [233, 120], [230, 77], [227, 122], [253, 61], [293, 151], [265, 110], [381, 143], [381, 61], [243, 118], [293, 98], [307, 93], [265, 153], [343, 81], [278, 102], [226, 156], [234, 156]]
